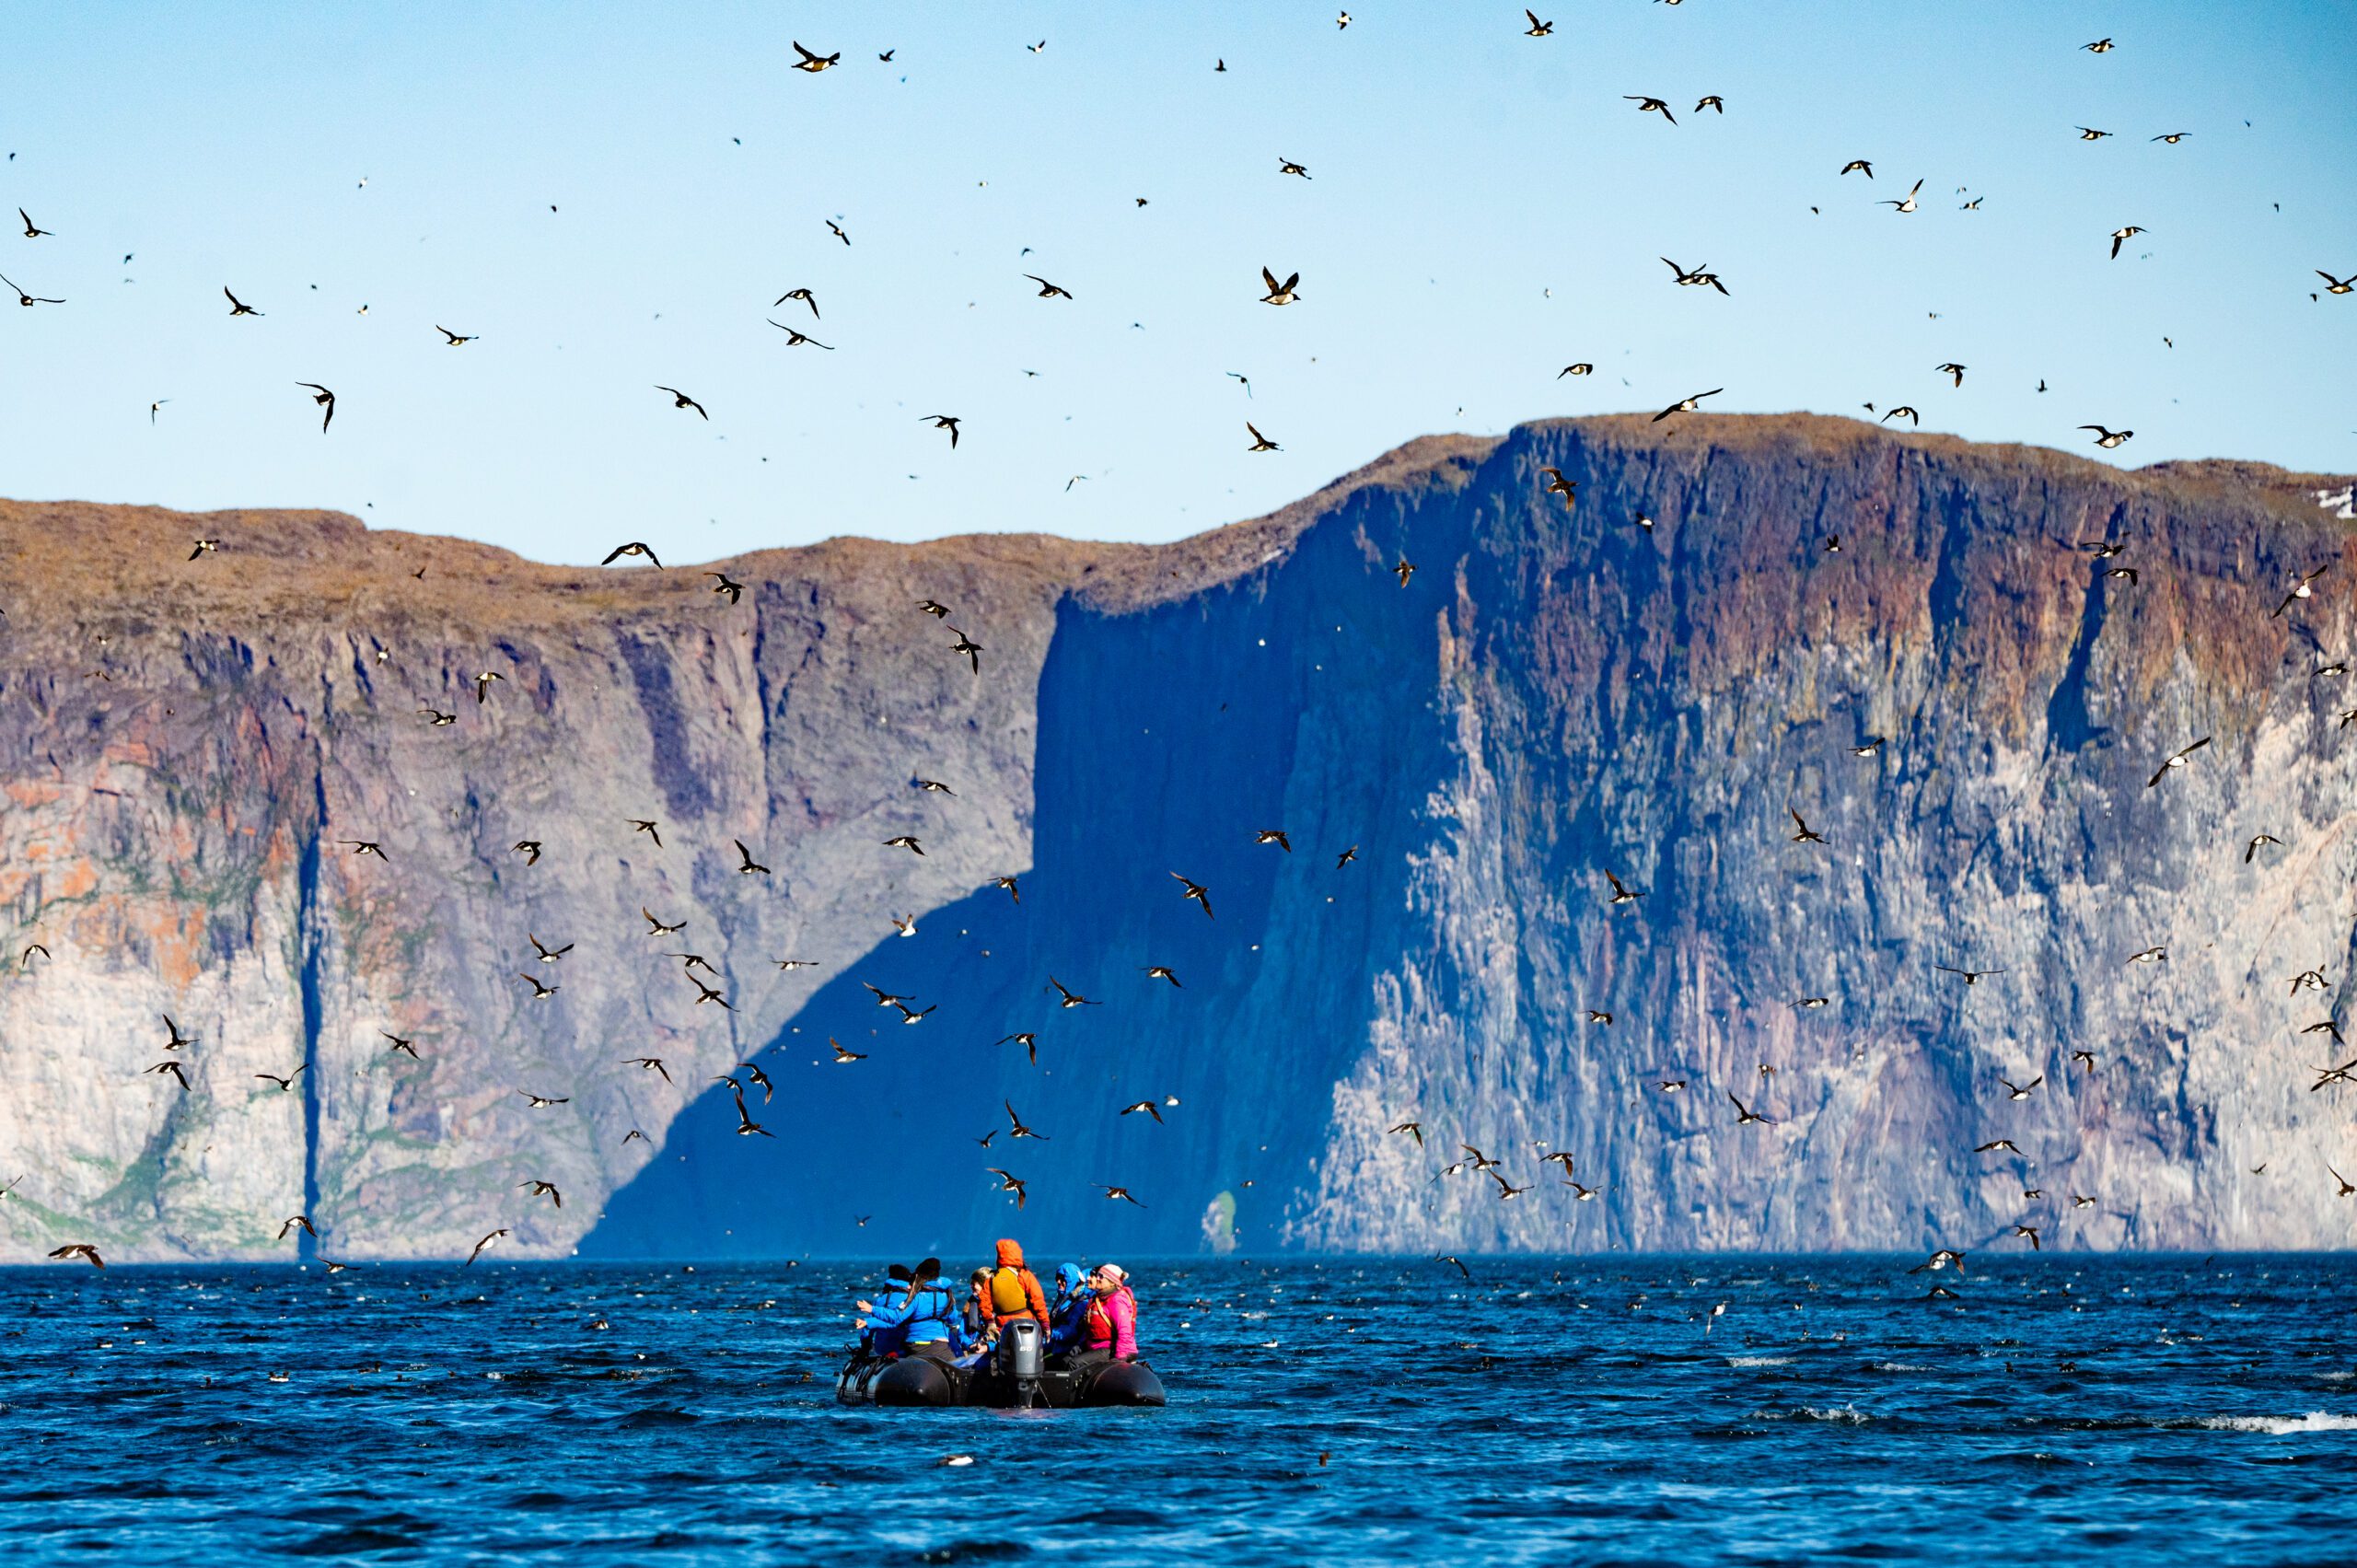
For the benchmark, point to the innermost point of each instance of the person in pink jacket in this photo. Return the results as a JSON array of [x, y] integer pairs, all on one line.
[[1111, 1330]]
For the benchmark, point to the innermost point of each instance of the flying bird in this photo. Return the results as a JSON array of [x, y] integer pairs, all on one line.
[[1697, 277], [1651, 106], [814, 63], [2108, 439], [1198, 892], [2119, 236], [30, 300], [326, 400], [681, 400], [455, 338], [632, 548], [2177, 760], [795, 338], [1906, 205], [1069, 998], [2301, 589], [485, 1243], [1280, 293], [943, 422], [1537, 28], [1047, 289], [1259, 442], [1686, 405], [238, 307]]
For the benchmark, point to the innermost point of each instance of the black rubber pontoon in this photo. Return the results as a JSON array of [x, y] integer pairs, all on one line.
[[921, 1381]]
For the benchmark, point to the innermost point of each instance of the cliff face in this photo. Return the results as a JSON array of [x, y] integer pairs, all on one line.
[[1553, 695]]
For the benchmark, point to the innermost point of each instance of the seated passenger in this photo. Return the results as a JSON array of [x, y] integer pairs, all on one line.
[[1069, 1311], [922, 1322], [1109, 1329], [977, 1290], [873, 1340], [1014, 1293]]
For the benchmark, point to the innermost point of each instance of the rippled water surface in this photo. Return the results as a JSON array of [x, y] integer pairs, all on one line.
[[1551, 1411]]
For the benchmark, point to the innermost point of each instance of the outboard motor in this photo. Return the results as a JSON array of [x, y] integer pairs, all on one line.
[[1021, 1358]]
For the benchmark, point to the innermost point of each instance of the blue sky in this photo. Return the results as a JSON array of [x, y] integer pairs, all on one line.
[[1483, 209]]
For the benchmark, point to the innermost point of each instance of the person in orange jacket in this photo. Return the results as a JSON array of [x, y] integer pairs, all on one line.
[[1014, 1291]]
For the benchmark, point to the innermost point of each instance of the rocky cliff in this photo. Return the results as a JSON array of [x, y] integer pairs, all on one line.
[[1556, 696]]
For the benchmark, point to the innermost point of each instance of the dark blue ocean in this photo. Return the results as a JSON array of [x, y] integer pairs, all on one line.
[[2066, 1408]]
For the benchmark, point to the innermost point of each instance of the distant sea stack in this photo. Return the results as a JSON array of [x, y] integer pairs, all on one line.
[[1558, 695]]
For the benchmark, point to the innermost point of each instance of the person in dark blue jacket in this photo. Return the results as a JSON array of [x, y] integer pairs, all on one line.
[[1068, 1314], [924, 1321]]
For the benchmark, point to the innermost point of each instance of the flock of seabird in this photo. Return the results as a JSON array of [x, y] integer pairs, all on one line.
[[1615, 892]]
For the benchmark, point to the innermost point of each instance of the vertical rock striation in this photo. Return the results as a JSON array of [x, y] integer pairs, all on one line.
[[1553, 695]]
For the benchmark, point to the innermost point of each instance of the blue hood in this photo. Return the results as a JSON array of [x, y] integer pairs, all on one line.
[[1068, 1278]]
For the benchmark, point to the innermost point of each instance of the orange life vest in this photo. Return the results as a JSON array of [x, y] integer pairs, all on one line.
[[1011, 1293]]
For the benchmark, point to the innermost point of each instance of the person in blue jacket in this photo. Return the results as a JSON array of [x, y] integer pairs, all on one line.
[[872, 1340], [1068, 1314], [924, 1321]]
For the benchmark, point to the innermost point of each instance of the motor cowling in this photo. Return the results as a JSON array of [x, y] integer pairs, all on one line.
[[1024, 1355]]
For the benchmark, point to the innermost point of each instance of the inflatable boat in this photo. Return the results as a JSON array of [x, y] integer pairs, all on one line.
[[1017, 1378]]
